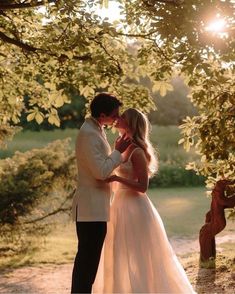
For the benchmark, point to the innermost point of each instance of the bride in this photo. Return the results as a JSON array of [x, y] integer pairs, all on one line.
[[137, 256]]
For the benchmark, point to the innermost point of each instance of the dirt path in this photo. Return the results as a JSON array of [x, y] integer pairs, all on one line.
[[56, 279]]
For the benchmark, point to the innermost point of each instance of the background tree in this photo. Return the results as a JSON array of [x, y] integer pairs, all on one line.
[[71, 114], [174, 107]]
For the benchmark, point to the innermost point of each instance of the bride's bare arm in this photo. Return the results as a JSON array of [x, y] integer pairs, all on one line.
[[141, 172]]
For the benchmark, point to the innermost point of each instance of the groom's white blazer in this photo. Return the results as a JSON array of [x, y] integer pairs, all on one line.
[[95, 162]]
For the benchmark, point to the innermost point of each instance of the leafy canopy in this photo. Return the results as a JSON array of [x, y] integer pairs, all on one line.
[[67, 43]]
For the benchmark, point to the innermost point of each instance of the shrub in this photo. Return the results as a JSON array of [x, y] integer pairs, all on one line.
[[31, 180], [170, 175]]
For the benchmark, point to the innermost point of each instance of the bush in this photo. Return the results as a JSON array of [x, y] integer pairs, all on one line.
[[170, 175], [34, 185]]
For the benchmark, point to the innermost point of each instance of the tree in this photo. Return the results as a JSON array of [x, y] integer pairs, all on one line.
[[71, 114], [68, 43], [174, 107]]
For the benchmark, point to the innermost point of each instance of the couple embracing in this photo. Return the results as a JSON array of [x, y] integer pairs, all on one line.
[[122, 243]]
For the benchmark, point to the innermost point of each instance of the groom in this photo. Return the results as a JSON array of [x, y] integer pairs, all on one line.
[[95, 162]]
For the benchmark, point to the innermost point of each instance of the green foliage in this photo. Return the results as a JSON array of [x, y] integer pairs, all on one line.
[[212, 132], [27, 140], [174, 107], [71, 115], [60, 245], [172, 156], [62, 45], [170, 175], [7, 132], [29, 179], [68, 43]]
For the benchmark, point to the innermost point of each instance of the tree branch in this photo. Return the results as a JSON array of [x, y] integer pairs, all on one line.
[[18, 43], [110, 56], [59, 209], [147, 37], [144, 36], [30, 48], [163, 53], [47, 215], [31, 4]]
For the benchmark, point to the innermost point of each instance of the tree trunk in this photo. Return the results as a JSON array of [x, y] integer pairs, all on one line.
[[215, 222]]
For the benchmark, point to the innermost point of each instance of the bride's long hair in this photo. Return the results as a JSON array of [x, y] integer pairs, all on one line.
[[140, 127]]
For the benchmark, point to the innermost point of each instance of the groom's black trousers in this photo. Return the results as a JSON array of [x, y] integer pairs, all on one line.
[[90, 241]]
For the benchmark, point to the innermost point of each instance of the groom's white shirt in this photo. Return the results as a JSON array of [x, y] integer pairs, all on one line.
[[95, 162]]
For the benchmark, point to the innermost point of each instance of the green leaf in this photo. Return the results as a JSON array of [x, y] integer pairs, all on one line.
[[59, 101], [39, 117], [162, 87], [50, 86], [86, 91], [156, 87], [181, 141], [54, 120], [31, 116], [69, 54]]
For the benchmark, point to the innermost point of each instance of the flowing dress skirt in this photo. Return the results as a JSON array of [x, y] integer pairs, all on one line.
[[137, 256]]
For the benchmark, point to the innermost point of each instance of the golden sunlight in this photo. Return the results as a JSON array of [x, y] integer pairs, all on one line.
[[111, 12], [216, 26]]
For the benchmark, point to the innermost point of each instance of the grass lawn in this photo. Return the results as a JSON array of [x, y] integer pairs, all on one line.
[[165, 138], [27, 140], [182, 211]]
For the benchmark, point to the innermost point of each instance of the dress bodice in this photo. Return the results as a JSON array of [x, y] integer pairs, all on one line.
[[126, 169]]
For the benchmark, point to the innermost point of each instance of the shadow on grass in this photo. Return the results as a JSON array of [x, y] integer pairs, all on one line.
[[205, 280], [15, 288], [218, 280]]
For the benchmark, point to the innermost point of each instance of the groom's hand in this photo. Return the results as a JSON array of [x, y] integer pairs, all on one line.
[[122, 143]]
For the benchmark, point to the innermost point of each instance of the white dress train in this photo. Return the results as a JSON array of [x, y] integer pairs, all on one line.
[[137, 256]]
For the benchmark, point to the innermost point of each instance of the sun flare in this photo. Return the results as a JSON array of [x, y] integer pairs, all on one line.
[[216, 26]]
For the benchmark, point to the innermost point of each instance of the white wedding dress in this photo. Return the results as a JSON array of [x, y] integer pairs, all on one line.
[[137, 256]]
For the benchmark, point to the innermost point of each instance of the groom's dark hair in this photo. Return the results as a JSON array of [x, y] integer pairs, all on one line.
[[104, 103]]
